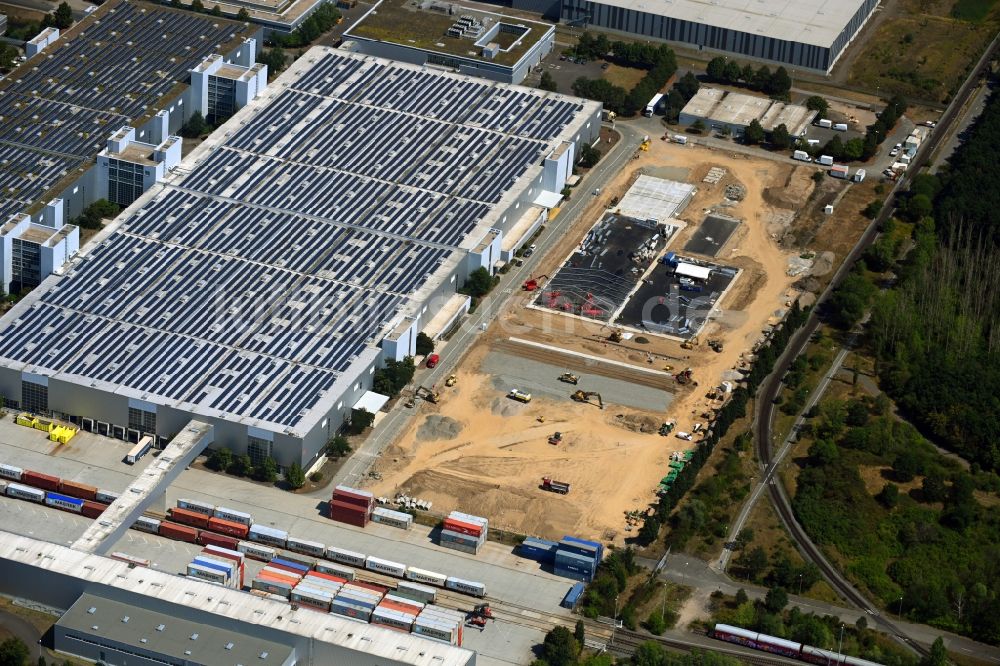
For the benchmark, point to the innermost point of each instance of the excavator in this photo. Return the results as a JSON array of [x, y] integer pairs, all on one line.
[[585, 396], [451, 381], [684, 376], [427, 394], [616, 335]]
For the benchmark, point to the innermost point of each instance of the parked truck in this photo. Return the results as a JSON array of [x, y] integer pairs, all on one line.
[[555, 486], [802, 156]]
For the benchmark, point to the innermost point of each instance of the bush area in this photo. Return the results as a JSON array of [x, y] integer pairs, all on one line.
[[972, 10], [324, 18], [563, 647], [94, 215], [776, 84], [223, 460], [391, 379], [658, 60]]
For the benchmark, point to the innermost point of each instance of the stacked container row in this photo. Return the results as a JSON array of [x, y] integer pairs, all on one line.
[[464, 532], [351, 506], [577, 558], [357, 601], [439, 624], [392, 518], [221, 569], [539, 550]]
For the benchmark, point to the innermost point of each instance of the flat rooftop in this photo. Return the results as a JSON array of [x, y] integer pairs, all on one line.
[[816, 22], [248, 284], [112, 69], [424, 24], [734, 108], [658, 199]]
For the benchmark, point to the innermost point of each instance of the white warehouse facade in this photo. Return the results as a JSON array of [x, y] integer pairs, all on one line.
[[258, 286]]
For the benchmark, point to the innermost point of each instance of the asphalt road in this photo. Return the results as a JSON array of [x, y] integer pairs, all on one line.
[[24, 630]]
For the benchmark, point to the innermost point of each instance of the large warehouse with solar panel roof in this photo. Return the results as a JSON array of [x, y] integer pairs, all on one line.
[[313, 235]]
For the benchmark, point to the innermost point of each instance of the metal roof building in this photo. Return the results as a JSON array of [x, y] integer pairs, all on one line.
[[254, 289], [810, 34], [719, 108]]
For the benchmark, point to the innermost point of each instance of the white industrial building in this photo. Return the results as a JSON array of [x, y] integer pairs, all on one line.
[[258, 286], [811, 34], [720, 109]]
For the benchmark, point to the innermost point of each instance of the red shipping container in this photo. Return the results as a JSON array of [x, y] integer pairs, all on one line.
[[271, 577], [370, 586], [39, 480], [228, 527], [178, 532], [357, 499], [462, 527], [210, 539], [78, 490], [401, 607], [92, 509], [347, 513], [292, 570], [326, 576], [351, 508], [186, 517]]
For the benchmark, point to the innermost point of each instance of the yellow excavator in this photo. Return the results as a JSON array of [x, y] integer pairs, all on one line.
[[585, 396], [690, 343]]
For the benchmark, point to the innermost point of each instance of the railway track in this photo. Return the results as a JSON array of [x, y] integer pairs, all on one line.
[[627, 641]]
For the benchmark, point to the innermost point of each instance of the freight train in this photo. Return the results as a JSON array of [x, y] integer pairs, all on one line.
[[785, 648], [27, 477]]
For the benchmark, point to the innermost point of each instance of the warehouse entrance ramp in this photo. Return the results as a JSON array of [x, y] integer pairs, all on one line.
[[151, 484]]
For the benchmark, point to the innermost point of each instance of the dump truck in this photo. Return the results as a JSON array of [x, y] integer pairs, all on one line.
[[555, 486], [519, 395], [427, 394]]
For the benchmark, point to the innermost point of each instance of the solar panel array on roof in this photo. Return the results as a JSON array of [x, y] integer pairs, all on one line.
[[58, 113], [250, 284]]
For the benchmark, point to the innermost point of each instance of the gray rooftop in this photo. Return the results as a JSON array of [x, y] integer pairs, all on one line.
[[817, 22], [287, 244], [160, 634]]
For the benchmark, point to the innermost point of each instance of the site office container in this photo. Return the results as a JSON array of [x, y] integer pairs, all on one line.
[[178, 532], [463, 527], [228, 527], [80, 490], [93, 509], [210, 539], [39, 480], [186, 517], [335, 570]]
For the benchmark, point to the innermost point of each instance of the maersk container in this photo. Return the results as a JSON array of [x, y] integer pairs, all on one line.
[[268, 535], [424, 576], [404, 601], [64, 502], [233, 515], [392, 618], [196, 506], [335, 569], [385, 566], [106, 496], [11, 472], [285, 562], [346, 556], [392, 518], [313, 548], [146, 524], [21, 491], [256, 551], [228, 569], [210, 574], [272, 586], [348, 609], [417, 592], [573, 596], [466, 586], [436, 631]]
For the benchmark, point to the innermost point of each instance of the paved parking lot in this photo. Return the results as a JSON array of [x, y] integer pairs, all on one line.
[[712, 234]]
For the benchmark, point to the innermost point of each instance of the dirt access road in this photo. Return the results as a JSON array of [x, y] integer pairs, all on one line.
[[479, 452]]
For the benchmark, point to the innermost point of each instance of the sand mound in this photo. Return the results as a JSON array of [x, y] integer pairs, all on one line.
[[637, 422], [504, 406], [436, 426]]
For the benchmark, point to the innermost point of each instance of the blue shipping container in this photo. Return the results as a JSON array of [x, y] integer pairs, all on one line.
[[569, 558], [64, 498], [573, 575], [573, 596], [583, 547], [538, 549], [288, 563]]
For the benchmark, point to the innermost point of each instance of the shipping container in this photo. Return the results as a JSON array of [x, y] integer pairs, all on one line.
[[417, 592], [350, 514], [272, 587], [233, 515], [401, 604], [295, 566], [462, 527], [330, 578], [466, 587], [231, 569], [228, 527], [146, 524], [310, 597], [572, 574], [825, 160], [267, 535], [186, 517], [3, 487], [207, 574], [392, 618], [256, 551], [131, 559], [569, 558], [540, 550], [349, 609], [469, 518], [569, 541], [80, 490], [106, 496], [461, 547], [300, 559], [21, 491], [573, 596], [196, 506], [354, 496], [346, 573], [370, 587], [345, 556], [825, 122], [11, 472], [64, 502], [228, 553], [312, 580], [385, 566], [364, 601], [92, 510], [178, 532], [839, 171], [39, 480], [392, 518], [424, 576], [207, 538], [435, 631], [139, 450], [291, 571], [313, 548]]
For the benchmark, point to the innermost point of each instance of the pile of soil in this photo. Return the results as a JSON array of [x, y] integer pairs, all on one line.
[[436, 426], [637, 422]]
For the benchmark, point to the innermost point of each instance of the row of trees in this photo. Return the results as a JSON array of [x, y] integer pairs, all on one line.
[[659, 60], [323, 19], [776, 84], [223, 460]]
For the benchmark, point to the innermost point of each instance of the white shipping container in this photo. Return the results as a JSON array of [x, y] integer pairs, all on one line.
[[220, 551], [385, 566], [3, 487], [321, 584], [445, 615], [840, 127], [345, 556], [418, 592], [11, 472], [360, 592], [392, 618], [262, 534], [106, 497], [274, 587], [240, 517], [825, 122], [392, 518], [20, 491], [307, 547], [311, 596], [466, 586], [197, 506], [146, 524], [424, 576], [335, 570], [282, 572], [441, 632], [469, 518], [206, 573], [256, 551], [415, 604]]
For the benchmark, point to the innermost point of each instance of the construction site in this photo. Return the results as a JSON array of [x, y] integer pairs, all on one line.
[[562, 420]]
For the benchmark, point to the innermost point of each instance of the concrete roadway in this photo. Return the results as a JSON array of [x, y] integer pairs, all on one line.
[[393, 424]]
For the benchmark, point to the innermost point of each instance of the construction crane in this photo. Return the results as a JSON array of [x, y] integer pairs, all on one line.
[[534, 283], [427, 394], [585, 396], [569, 378]]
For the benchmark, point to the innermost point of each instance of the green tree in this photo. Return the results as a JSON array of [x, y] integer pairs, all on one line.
[[872, 210], [197, 6], [854, 149], [688, 86], [780, 83], [754, 562], [267, 470], [13, 652], [338, 447], [857, 413], [889, 495], [41, 661], [216, 11], [780, 137], [732, 72], [478, 284], [560, 648], [698, 126], [754, 133], [655, 623], [744, 538], [390, 379], [834, 148], [275, 59], [824, 452], [819, 105], [938, 655], [424, 345], [220, 459], [776, 600], [918, 207], [650, 530], [589, 156], [716, 69], [741, 597], [8, 55], [241, 466], [361, 419], [62, 17], [649, 653], [295, 477], [196, 126], [933, 488], [548, 82], [243, 15], [906, 465], [580, 633]]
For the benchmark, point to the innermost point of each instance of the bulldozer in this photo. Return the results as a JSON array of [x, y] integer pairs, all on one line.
[[451, 381], [569, 378], [585, 396], [555, 438], [427, 394]]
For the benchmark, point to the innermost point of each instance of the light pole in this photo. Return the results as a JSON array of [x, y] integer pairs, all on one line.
[[800, 585], [900, 613], [614, 625], [840, 645]]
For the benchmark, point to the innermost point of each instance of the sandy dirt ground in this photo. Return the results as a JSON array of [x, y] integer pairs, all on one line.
[[485, 454]]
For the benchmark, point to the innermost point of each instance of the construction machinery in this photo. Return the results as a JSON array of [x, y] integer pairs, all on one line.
[[554, 486], [585, 396], [451, 381], [616, 335], [667, 428], [555, 438], [569, 378], [427, 394], [534, 283], [684, 376], [519, 395], [478, 616], [690, 343], [644, 146], [715, 345]]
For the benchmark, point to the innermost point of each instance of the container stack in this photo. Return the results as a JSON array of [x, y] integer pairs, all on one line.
[[540, 550], [277, 580], [577, 558], [403, 521], [397, 612], [213, 568], [351, 506], [440, 624], [317, 591], [357, 600], [464, 532], [235, 556]]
